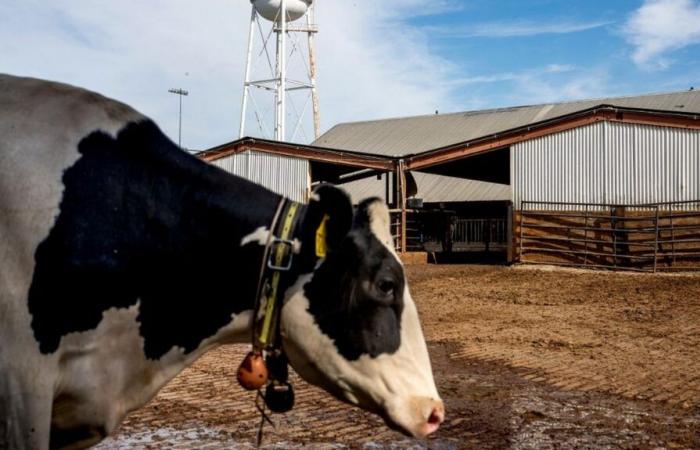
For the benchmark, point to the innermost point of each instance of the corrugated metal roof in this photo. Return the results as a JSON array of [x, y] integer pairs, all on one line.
[[433, 188], [410, 135]]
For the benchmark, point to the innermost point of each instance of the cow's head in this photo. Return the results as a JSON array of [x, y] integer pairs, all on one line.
[[351, 326]]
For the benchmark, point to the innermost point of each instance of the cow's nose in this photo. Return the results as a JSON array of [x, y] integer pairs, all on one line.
[[435, 418]]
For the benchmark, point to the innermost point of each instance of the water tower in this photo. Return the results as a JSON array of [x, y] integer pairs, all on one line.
[[293, 41]]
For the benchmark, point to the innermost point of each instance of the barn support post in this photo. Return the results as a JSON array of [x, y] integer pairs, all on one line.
[[510, 255], [401, 178], [387, 175]]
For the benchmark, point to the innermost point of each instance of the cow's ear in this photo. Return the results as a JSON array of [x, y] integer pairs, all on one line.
[[367, 212], [328, 219], [373, 216]]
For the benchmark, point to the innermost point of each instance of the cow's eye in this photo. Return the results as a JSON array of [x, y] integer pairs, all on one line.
[[386, 287]]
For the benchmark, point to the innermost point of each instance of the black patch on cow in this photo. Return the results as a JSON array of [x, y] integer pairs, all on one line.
[[356, 295], [327, 200], [141, 220]]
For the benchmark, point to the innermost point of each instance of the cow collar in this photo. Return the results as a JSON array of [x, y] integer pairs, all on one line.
[[266, 364], [277, 261]]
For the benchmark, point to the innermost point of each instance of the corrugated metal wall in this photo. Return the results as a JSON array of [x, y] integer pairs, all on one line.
[[608, 162], [286, 176]]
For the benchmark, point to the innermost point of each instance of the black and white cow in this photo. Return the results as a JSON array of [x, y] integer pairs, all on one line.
[[123, 259]]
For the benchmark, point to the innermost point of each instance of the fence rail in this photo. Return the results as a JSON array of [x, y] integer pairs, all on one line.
[[649, 237]]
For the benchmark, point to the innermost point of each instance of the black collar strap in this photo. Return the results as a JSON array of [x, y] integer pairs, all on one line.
[[277, 260]]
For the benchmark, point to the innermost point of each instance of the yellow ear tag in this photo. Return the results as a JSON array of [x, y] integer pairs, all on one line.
[[321, 249]]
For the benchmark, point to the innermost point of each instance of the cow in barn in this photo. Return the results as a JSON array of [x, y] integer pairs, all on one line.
[[123, 259]]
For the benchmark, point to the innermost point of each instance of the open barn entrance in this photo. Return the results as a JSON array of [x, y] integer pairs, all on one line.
[[459, 231], [456, 211], [459, 210]]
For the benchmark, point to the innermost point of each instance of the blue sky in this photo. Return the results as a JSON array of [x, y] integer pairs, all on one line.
[[514, 52], [376, 58]]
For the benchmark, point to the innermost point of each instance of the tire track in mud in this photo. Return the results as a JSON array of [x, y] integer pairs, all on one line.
[[678, 386]]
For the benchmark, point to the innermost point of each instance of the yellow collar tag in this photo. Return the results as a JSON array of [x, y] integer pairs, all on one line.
[[321, 249]]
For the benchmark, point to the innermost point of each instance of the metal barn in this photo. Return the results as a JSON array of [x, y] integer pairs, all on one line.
[[605, 183]]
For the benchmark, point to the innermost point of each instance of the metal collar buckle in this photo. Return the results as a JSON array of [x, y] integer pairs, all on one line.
[[276, 246]]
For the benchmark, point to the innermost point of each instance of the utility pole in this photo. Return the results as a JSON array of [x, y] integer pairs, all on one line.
[[181, 93]]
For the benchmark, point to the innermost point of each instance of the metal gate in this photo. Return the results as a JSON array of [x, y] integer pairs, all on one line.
[[454, 234], [480, 232], [648, 237]]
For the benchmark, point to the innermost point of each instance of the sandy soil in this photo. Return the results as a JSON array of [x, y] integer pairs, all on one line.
[[523, 357]]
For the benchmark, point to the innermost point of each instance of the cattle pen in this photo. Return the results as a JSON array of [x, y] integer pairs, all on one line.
[[524, 357]]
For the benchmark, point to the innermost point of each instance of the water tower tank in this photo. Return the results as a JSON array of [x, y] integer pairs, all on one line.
[[270, 8]]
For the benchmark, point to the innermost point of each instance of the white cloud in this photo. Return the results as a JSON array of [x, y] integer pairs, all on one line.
[[523, 75], [661, 26], [551, 83], [371, 63], [518, 28], [585, 84]]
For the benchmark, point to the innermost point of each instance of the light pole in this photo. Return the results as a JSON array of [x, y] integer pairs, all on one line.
[[181, 93]]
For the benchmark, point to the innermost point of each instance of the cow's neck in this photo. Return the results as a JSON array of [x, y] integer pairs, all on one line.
[[165, 233], [218, 233]]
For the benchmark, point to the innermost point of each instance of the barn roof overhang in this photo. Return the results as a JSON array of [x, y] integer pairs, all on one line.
[[350, 160]]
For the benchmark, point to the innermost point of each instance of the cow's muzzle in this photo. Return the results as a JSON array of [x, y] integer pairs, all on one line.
[[417, 417]]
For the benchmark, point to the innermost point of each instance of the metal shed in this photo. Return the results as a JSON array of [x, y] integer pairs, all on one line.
[[574, 156]]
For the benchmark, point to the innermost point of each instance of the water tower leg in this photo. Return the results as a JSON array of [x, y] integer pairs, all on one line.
[[281, 74], [310, 20], [248, 61]]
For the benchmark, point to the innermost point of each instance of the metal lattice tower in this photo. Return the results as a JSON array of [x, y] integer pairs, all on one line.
[[275, 79]]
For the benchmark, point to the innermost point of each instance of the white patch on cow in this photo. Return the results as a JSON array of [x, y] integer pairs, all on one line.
[[380, 225], [315, 197], [107, 369], [399, 385], [261, 235]]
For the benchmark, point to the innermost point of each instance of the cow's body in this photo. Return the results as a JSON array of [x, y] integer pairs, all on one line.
[[123, 259]]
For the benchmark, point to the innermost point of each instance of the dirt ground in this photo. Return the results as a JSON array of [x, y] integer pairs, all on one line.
[[525, 358]]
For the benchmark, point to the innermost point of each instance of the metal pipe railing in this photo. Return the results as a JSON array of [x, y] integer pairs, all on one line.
[[667, 230]]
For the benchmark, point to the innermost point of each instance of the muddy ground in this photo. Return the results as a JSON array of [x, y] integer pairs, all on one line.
[[523, 357]]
